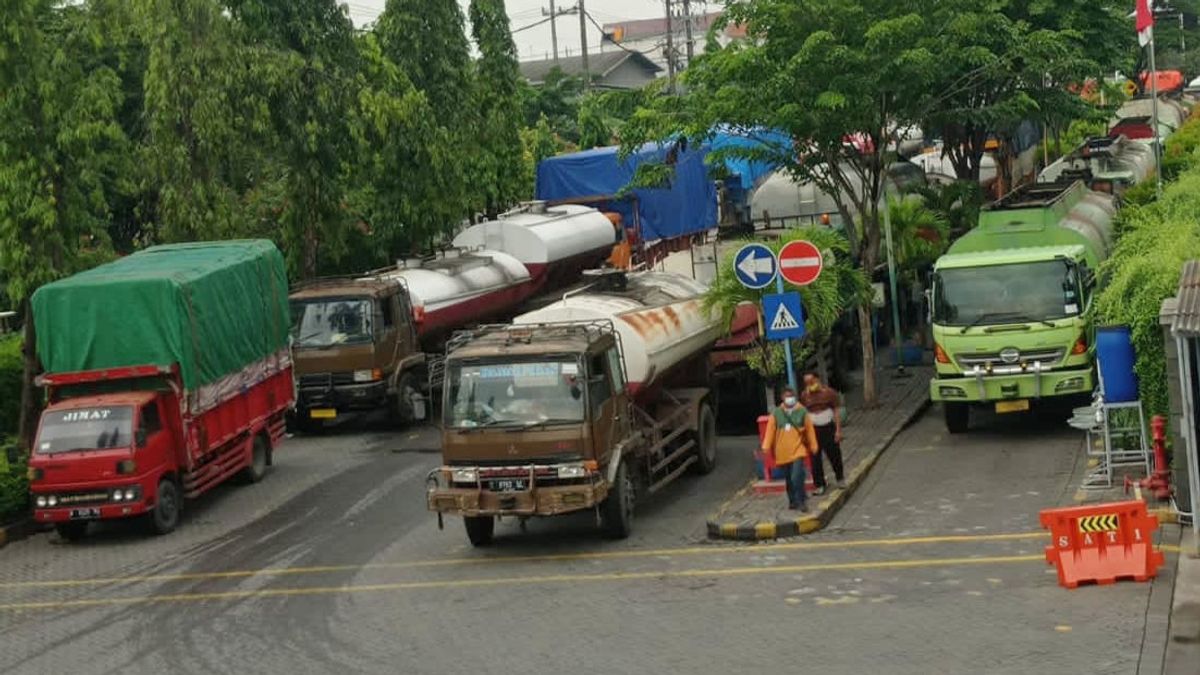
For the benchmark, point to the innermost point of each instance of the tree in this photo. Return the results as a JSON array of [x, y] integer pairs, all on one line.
[[426, 40], [306, 60], [207, 124], [497, 76], [1001, 63], [62, 155], [556, 99], [822, 71]]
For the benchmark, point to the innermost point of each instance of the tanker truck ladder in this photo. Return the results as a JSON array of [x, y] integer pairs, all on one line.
[[666, 457]]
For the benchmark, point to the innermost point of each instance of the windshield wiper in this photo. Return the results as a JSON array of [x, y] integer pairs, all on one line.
[[548, 420], [1015, 316]]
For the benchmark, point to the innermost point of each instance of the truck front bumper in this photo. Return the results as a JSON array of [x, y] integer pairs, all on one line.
[[978, 387], [85, 512], [537, 500], [366, 396]]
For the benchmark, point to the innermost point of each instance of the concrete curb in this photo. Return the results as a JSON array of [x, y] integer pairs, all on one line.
[[17, 531], [764, 530]]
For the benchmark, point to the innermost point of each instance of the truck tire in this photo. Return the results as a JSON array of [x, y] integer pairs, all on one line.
[[616, 513], [480, 529], [706, 441], [259, 460], [958, 417], [406, 387], [165, 516], [72, 531]]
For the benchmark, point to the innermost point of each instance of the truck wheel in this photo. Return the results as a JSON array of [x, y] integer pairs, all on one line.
[[405, 389], [72, 531], [706, 442], [165, 516], [480, 529], [258, 462], [958, 417], [616, 512]]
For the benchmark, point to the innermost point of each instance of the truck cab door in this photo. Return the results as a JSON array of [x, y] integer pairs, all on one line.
[[153, 445], [406, 328], [602, 406]]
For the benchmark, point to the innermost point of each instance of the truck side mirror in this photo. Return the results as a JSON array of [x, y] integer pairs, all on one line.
[[928, 305], [139, 438]]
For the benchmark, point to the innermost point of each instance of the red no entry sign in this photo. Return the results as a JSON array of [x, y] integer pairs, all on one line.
[[800, 263]]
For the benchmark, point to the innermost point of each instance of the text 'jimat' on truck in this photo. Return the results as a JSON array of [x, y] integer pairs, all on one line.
[[167, 372], [587, 403], [1012, 301]]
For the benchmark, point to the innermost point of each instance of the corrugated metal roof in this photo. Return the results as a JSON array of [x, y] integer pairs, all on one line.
[[1187, 307]]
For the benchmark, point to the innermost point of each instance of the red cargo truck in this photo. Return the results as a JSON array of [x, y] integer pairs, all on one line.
[[167, 372]]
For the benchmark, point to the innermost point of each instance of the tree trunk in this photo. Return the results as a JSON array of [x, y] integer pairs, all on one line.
[[870, 395], [28, 420]]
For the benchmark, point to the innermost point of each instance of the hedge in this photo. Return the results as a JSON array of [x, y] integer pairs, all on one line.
[[1154, 241], [14, 485], [11, 370]]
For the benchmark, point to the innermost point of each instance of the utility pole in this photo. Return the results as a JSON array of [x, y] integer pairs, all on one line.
[[687, 18], [553, 29], [670, 50], [587, 76]]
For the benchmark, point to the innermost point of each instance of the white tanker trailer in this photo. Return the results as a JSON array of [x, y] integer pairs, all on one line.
[[589, 403]]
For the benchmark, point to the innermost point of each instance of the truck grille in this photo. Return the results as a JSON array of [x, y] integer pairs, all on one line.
[[325, 380], [1048, 358]]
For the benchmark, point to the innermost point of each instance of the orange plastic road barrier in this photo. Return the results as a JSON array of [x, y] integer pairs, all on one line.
[[1102, 543]]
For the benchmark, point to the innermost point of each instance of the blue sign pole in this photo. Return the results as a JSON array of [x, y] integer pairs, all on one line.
[[787, 344]]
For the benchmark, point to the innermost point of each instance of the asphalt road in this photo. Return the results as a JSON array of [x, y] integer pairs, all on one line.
[[333, 565]]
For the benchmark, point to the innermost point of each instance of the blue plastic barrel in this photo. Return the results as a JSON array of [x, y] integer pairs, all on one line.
[[1114, 351]]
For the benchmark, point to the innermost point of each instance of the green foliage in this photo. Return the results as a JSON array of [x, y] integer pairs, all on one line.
[[500, 152], [840, 287], [1155, 240], [919, 234], [11, 372], [958, 203], [14, 484]]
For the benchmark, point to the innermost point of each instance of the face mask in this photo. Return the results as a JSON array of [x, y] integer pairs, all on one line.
[[789, 401]]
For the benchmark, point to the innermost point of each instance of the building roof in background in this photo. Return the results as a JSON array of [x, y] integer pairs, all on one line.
[[648, 28], [598, 64], [1186, 321]]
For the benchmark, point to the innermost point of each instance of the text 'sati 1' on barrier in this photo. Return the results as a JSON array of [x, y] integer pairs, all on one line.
[[1102, 543]]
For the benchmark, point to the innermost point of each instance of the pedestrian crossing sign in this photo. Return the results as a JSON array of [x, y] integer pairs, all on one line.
[[783, 316]]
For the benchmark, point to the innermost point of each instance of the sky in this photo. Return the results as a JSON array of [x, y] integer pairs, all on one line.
[[534, 43]]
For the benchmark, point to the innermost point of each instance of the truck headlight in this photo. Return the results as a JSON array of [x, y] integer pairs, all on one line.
[[52, 500], [366, 375], [132, 494], [40, 501], [572, 471], [464, 475]]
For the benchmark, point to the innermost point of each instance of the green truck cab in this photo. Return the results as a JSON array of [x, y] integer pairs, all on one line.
[[1012, 305]]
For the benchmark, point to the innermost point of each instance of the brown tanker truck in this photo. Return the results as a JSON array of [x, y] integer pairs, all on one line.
[[586, 404]]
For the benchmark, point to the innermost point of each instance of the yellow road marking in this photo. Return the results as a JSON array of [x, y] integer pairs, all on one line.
[[565, 557], [513, 581]]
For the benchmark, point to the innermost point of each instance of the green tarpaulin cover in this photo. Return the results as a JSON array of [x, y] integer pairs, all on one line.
[[211, 307]]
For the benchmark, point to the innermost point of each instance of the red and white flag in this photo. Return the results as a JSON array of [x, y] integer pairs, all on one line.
[[1144, 20]]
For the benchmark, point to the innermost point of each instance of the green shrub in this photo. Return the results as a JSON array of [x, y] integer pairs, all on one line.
[[14, 484], [1154, 242], [11, 371]]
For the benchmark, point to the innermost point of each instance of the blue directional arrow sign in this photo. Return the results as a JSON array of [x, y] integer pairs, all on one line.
[[783, 316], [755, 266]]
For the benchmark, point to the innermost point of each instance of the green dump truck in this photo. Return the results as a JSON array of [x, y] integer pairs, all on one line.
[[1012, 302]]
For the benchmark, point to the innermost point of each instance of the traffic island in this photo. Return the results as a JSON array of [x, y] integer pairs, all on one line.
[[747, 516]]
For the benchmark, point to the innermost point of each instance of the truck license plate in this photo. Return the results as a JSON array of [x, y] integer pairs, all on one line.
[[85, 514], [1012, 406], [508, 485], [322, 413]]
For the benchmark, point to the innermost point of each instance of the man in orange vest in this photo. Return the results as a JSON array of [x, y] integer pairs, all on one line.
[[790, 435]]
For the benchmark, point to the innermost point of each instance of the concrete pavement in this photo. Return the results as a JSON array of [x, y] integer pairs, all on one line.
[[935, 566]]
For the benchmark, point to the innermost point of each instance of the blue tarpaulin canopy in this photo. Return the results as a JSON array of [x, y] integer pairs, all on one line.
[[687, 206], [750, 172]]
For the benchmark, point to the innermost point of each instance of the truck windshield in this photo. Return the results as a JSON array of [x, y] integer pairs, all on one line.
[[513, 394], [1011, 293], [331, 322], [85, 429]]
